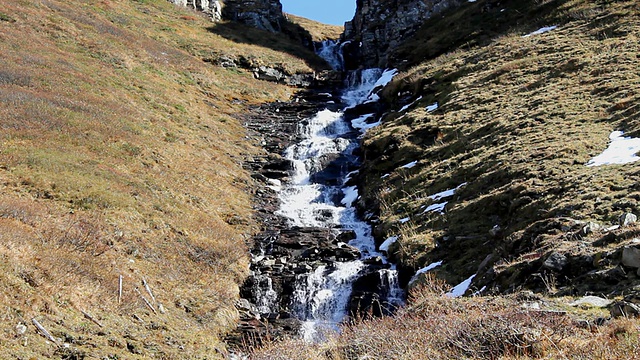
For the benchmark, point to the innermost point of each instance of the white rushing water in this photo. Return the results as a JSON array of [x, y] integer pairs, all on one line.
[[321, 298], [331, 51]]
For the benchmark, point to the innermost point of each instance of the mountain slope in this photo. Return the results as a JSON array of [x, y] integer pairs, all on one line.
[[480, 163], [516, 122], [120, 156]]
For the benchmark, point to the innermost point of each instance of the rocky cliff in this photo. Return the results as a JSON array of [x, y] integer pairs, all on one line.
[[261, 14], [380, 26]]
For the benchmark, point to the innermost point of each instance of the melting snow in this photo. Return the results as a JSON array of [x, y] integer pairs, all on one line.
[[386, 77], [621, 150], [385, 245], [446, 193], [432, 107], [461, 288], [425, 269], [410, 165], [435, 208], [361, 123], [541, 31], [385, 176], [409, 105], [404, 220]]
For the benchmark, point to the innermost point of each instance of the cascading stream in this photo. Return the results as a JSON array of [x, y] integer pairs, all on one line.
[[321, 297]]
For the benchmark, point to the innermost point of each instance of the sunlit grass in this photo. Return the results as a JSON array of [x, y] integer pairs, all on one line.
[[121, 155]]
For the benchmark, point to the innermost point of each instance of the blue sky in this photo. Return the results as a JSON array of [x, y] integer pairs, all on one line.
[[334, 12]]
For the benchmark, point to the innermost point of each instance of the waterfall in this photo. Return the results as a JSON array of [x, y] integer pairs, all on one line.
[[331, 51], [322, 297]]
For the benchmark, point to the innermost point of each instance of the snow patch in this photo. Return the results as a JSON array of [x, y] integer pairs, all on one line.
[[385, 245], [439, 208], [404, 220], [541, 31], [621, 150], [385, 176], [361, 124], [446, 193], [461, 288], [386, 77], [424, 270], [432, 107], [411, 104], [409, 165]]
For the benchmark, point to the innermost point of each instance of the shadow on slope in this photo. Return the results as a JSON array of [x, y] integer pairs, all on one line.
[[294, 40], [476, 24]]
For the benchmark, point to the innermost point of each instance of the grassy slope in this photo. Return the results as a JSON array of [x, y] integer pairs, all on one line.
[[518, 120], [119, 155], [318, 31]]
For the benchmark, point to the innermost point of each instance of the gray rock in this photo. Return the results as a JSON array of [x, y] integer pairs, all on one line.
[[212, 8], [631, 257], [591, 227], [627, 219], [594, 301], [21, 329], [555, 262], [261, 14], [268, 74], [379, 27]]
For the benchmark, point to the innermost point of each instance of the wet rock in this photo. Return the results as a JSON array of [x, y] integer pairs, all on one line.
[[377, 260], [555, 262], [347, 236], [627, 219], [631, 256]]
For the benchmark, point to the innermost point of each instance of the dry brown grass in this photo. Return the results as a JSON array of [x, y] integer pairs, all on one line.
[[434, 326], [120, 155], [318, 31]]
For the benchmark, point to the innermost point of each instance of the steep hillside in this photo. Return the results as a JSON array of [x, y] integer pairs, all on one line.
[[120, 158], [516, 122]]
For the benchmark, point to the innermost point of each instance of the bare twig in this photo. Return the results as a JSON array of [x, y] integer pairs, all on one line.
[[148, 304], [44, 331], [91, 318], [146, 286], [119, 289]]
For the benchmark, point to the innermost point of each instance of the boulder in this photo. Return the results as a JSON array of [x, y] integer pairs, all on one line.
[[593, 301], [261, 14], [591, 227], [627, 219], [555, 262], [631, 256]]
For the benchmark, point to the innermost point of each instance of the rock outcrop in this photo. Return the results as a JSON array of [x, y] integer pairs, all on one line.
[[380, 26], [261, 14], [213, 8]]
